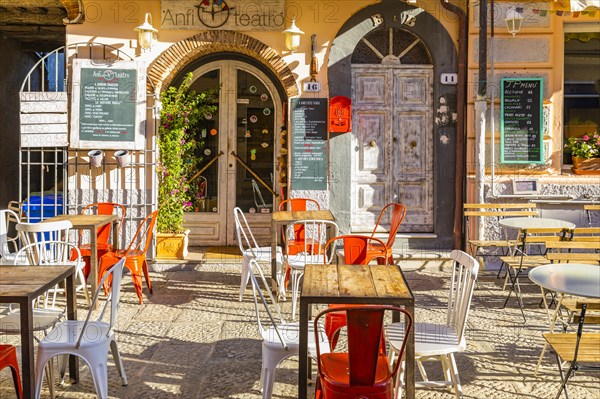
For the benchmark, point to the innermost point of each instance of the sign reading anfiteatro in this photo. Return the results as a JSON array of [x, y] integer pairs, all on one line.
[[223, 14]]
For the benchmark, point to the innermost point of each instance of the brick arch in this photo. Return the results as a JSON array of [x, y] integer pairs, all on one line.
[[167, 66]]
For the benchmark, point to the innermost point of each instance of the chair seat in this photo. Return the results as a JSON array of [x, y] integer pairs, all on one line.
[[263, 254], [298, 261], [43, 318], [65, 335], [564, 345], [430, 339], [291, 334], [334, 366]]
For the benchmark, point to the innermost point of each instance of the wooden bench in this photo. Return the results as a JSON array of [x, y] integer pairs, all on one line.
[[497, 211]]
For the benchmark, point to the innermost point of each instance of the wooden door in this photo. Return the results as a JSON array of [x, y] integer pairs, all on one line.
[[392, 144]]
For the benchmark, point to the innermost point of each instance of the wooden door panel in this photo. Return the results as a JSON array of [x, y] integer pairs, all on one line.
[[413, 144], [367, 203], [417, 196], [370, 148], [370, 88], [412, 88]]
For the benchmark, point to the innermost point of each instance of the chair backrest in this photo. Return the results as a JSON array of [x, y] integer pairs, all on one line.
[[299, 204], [313, 235], [355, 249], [105, 208], [143, 236], [365, 328], [260, 285], [245, 238], [396, 212], [111, 303], [7, 217], [30, 233], [462, 284], [586, 234]]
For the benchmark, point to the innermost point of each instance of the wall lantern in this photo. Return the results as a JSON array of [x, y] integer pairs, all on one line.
[[292, 36], [513, 21], [146, 33]]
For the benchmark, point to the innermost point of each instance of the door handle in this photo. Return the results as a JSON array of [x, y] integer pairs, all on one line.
[[372, 143]]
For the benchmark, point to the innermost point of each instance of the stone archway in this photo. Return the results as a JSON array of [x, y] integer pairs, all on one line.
[[172, 61]]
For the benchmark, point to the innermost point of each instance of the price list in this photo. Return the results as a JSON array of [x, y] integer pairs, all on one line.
[[107, 104], [521, 121], [309, 144]]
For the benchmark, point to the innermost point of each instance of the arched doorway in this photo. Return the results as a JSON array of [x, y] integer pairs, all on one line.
[[240, 140], [392, 142]]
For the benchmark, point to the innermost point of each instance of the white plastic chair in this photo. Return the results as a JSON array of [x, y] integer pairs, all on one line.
[[88, 339], [440, 341], [8, 245], [251, 250], [48, 244], [315, 236], [281, 339]]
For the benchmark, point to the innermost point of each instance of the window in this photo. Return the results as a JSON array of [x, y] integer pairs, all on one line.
[[581, 83]]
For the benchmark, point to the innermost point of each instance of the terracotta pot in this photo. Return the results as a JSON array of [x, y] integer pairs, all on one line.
[[172, 246], [583, 166]]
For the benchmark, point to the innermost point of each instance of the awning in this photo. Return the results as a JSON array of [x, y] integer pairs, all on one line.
[[580, 5]]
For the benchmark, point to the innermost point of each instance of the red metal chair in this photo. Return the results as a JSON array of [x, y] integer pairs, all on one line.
[[398, 211], [135, 254], [355, 253], [295, 244], [103, 234], [363, 371], [8, 358]]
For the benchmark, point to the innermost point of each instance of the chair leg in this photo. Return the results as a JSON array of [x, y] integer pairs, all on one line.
[[118, 362], [245, 275], [98, 369], [563, 378], [137, 285], [296, 277], [40, 367], [50, 377], [83, 285], [147, 275], [13, 364]]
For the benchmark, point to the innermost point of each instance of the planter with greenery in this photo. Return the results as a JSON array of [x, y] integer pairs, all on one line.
[[585, 153], [182, 109]]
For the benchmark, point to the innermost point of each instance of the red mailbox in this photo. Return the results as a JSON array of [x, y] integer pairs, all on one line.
[[340, 114]]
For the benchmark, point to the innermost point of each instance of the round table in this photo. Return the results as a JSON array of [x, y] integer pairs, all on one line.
[[568, 278], [535, 223]]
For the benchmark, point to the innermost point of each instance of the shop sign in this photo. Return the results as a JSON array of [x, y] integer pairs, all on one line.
[[237, 15], [108, 108]]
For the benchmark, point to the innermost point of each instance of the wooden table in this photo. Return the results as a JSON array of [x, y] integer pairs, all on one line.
[[282, 218], [92, 223], [352, 284], [22, 284]]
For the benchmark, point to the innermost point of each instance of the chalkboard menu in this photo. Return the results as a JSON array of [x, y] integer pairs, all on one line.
[[309, 143], [108, 105], [522, 136]]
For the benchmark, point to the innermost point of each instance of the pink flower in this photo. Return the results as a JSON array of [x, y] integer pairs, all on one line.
[[586, 137]]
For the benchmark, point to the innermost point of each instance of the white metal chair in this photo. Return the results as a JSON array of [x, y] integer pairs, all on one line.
[[281, 339], [259, 201], [48, 244], [251, 250], [88, 339], [8, 245], [313, 236], [440, 341]]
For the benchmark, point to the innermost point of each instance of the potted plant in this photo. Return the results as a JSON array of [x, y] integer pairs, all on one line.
[[585, 152], [181, 110]]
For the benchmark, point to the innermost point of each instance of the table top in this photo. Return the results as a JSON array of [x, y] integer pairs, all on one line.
[[354, 284], [84, 221], [568, 278], [17, 282], [294, 216], [535, 223]]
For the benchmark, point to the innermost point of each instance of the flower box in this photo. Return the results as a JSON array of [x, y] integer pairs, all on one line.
[[172, 246], [586, 166]]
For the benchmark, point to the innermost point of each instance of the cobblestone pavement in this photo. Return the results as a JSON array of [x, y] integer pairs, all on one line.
[[193, 339]]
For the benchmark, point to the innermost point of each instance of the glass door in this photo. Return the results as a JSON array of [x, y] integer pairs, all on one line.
[[235, 154]]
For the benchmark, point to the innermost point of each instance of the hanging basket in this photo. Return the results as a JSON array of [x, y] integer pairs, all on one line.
[[96, 158]]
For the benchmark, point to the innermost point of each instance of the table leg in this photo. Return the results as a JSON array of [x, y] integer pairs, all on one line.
[[28, 365], [410, 356], [93, 278], [303, 361], [72, 315], [115, 234], [274, 288]]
